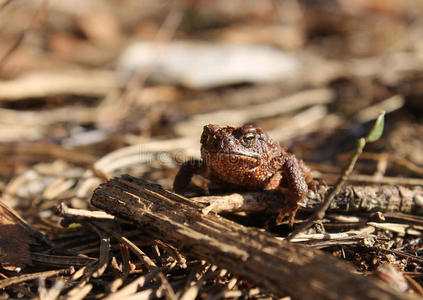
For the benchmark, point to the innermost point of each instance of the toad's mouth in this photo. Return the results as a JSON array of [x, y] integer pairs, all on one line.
[[236, 155]]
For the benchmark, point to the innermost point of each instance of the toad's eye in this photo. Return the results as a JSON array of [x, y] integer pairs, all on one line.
[[248, 139]]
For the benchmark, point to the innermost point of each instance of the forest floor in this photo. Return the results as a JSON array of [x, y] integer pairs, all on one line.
[[93, 90]]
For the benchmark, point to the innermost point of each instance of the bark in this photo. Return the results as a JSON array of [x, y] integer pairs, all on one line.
[[281, 267], [385, 198]]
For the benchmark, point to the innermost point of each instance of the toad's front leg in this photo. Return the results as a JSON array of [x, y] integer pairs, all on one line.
[[294, 186], [185, 173]]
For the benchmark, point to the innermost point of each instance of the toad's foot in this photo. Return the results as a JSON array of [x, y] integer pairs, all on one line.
[[288, 211]]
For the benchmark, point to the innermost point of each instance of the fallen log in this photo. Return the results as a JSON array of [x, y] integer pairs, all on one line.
[[282, 267]]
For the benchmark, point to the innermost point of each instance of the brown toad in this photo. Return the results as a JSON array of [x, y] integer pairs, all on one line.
[[247, 157]]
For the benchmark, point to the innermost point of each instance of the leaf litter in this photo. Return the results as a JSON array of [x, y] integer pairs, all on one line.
[[70, 119]]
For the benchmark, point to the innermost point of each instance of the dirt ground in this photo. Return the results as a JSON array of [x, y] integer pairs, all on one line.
[[92, 90]]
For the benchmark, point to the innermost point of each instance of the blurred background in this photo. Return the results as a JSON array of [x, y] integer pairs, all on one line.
[[90, 89], [81, 79]]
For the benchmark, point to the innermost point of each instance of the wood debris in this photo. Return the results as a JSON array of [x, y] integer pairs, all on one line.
[[72, 117]]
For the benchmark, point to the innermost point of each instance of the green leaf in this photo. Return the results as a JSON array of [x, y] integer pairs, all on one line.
[[377, 129]]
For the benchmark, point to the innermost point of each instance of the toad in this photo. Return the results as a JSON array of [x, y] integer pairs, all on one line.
[[247, 158]]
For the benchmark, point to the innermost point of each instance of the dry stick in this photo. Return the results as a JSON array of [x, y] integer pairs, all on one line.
[[414, 284], [351, 234], [63, 210], [104, 256], [385, 198], [19, 279], [126, 266], [172, 251], [404, 218], [247, 252], [60, 260], [78, 274], [320, 213], [397, 253]]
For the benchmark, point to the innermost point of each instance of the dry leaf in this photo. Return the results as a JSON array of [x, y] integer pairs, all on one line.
[[14, 243]]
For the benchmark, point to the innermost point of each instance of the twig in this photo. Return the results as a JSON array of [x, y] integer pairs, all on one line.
[[104, 256], [126, 264], [172, 252], [22, 278], [396, 252], [384, 198], [353, 234], [404, 218], [414, 284], [56, 260], [402, 229], [64, 210]]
